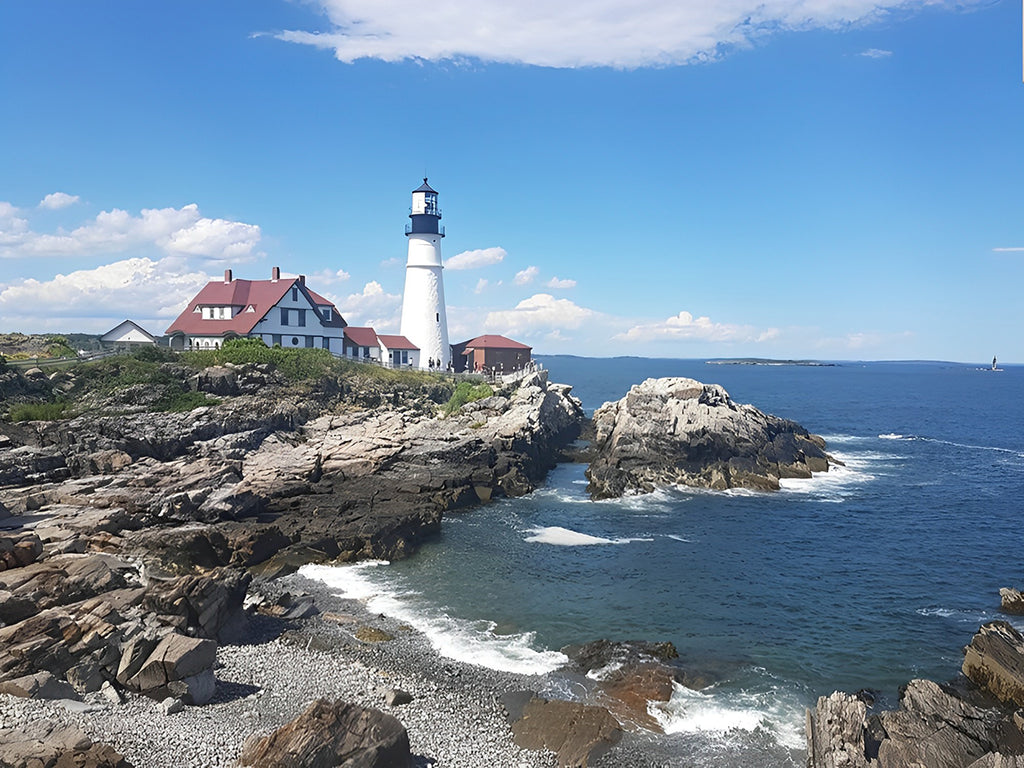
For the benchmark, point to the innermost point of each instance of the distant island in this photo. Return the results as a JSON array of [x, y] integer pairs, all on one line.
[[765, 361]]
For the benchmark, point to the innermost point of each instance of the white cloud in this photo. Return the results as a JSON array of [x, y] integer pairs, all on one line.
[[374, 307], [574, 33], [481, 257], [95, 299], [875, 53], [557, 283], [57, 200], [996, 250], [394, 261], [481, 285], [12, 225], [685, 327], [174, 231], [526, 276], [539, 314], [327, 277]]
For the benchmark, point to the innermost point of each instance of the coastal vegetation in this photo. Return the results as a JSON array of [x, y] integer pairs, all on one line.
[[466, 393], [157, 379]]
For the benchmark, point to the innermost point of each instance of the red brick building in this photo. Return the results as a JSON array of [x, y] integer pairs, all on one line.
[[490, 354]]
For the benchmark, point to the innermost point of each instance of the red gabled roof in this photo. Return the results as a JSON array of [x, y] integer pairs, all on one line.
[[261, 295], [396, 342], [361, 337], [492, 341]]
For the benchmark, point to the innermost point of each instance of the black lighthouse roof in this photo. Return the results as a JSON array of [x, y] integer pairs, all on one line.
[[424, 187]]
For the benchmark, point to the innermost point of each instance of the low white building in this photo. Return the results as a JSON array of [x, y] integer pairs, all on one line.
[[281, 311], [398, 351], [128, 332]]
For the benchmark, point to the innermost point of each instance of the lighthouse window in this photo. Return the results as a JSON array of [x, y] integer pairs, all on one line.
[[437, 316]]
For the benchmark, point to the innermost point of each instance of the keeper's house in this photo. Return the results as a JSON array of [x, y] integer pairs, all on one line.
[[279, 311]]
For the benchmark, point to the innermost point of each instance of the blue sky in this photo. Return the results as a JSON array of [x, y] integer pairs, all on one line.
[[832, 179]]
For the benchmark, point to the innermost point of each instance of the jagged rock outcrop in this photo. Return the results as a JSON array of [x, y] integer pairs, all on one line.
[[331, 734], [994, 661], [577, 733], [1011, 600], [680, 431]]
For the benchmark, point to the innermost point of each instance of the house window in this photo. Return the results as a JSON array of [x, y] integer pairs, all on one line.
[[366, 351], [302, 317], [284, 316], [405, 356], [295, 293], [327, 314], [295, 341]]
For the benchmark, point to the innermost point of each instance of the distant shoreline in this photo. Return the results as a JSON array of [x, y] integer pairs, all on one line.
[[765, 361]]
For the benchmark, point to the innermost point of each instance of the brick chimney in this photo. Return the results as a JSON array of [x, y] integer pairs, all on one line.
[[302, 279], [227, 275], [275, 274]]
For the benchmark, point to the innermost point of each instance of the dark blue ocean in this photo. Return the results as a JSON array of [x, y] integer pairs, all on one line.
[[864, 577]]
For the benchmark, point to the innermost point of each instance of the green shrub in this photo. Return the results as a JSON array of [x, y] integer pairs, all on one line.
[[38, 411], [183, 400], [151, 353], [466, 393]]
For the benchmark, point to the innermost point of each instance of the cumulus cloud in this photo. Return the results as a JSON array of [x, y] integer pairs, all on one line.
[[574, 33], [140, 288], [541, 314], [526, 276], [875, 53], [174, 231], [56, 200], [686, 327], [481, 257], [373, 306], [558, 283]]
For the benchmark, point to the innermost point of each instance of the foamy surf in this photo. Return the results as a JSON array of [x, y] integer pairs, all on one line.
[[565, 537], [462, 640], [713, 711]]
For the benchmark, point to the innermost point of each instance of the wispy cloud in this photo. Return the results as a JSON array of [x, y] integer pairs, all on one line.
[[1014, 249], [526, 276], [686, 327], [556, 282], [875, 53], [573, 33], [56, 200], [481, 257]]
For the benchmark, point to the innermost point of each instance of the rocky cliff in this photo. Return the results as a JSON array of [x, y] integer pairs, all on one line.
[[134, 535], [680, 431]]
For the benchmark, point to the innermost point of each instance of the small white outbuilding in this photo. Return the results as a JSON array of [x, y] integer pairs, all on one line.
[[128, 332]]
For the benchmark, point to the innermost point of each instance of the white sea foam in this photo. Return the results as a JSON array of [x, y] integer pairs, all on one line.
[[951, 443], [462, 640], [774, 711], [678, 538], [565, 537]]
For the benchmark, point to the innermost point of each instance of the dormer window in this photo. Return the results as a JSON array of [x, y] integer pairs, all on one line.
[[327, 314]]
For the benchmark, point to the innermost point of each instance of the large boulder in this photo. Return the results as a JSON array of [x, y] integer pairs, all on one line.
[[995, 661], [172, 665], [836, 732], [329, 734], [680, 431], [577, 733]]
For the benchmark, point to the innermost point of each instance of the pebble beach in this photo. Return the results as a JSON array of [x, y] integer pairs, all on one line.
[[455, 718]]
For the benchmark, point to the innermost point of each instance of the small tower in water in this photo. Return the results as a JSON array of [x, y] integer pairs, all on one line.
[[424, 320]]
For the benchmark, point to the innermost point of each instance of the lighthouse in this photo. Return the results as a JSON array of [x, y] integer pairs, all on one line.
[[424, 320]]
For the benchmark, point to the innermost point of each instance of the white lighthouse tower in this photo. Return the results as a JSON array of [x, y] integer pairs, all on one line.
[[424, 320]]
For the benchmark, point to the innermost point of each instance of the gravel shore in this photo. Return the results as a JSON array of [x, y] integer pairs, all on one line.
[[455, 719]]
